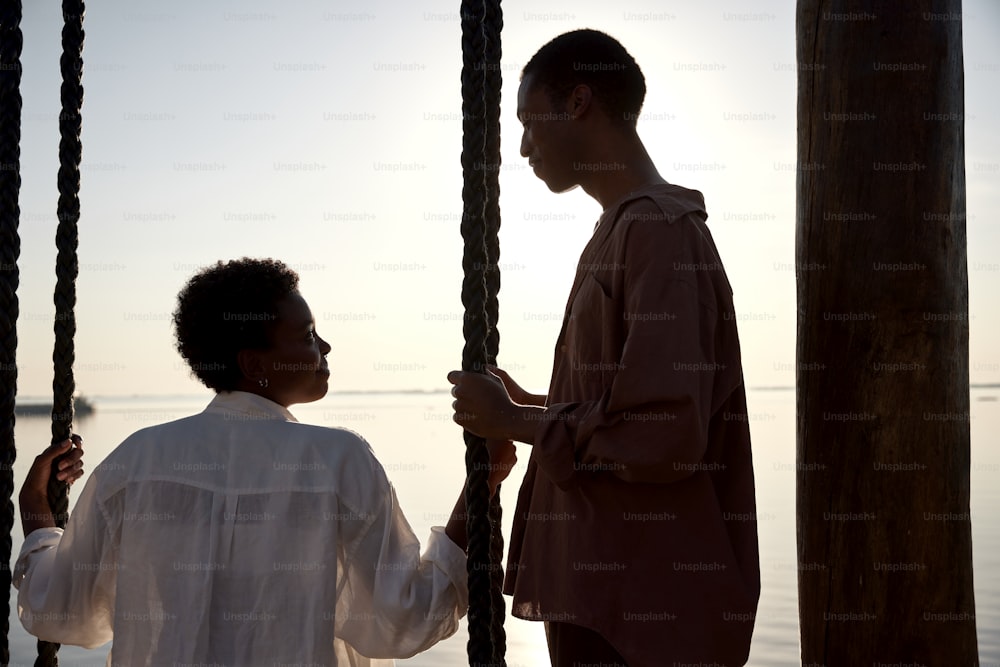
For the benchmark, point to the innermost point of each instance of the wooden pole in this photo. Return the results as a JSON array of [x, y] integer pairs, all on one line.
[[882, 482]]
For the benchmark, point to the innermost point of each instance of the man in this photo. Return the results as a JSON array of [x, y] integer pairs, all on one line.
[[635, 534]]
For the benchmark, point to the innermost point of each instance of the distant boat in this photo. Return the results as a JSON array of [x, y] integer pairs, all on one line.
[[81, 408]]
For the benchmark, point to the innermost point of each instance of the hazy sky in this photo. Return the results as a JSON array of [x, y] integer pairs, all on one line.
[[327, 134]]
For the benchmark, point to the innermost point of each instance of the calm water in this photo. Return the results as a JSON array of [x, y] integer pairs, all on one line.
[[422, 451]]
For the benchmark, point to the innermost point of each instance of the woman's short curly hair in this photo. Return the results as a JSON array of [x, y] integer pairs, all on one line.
[[226, 308]]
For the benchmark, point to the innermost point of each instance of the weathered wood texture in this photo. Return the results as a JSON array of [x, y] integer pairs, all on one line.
[[884, 532]]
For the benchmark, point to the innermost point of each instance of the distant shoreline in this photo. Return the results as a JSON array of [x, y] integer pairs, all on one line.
[[27, 400], [972, 385], [34, 400]]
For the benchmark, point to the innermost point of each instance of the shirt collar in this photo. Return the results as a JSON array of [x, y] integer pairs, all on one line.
[[250, 406]]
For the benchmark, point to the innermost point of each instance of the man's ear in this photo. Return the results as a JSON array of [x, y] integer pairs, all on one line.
[[252, 364], [579, 101]]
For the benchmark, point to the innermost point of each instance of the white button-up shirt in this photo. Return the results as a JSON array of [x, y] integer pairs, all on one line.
[[241, 537]]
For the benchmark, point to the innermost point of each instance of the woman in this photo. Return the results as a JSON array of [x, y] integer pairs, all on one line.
[[239, 536]]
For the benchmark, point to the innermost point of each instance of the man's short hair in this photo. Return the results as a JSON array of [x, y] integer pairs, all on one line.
[[597, 60]]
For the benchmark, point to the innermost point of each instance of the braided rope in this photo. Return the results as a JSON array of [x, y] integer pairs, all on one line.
[[67, 264], [10, 249], [497, 606], [476, 325], [492, 27]]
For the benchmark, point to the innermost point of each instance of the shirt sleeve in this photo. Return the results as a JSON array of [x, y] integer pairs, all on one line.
[[675, 364], [66, 579], [395, 602]]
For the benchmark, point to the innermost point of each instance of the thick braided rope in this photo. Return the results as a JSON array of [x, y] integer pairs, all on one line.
[[10, 250], [67, 264], [475, 327], [67, 236], [497, 607], [492, 28]]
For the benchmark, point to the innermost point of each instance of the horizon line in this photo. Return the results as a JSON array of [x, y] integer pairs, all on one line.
[[356, 392]]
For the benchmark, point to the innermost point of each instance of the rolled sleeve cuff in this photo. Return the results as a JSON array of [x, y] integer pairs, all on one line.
[[554, 449], [447, 555], [38, 541]]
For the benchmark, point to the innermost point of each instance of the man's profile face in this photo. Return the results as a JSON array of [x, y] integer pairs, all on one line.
[[546, 136]]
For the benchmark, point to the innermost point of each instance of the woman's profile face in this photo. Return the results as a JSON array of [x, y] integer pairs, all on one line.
[[295, 365]]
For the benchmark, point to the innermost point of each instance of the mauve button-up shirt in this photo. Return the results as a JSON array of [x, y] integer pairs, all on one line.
[[637, 516]]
